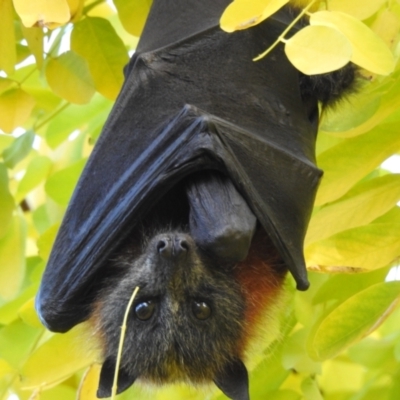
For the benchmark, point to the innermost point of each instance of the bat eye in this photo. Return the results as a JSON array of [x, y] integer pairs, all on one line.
[[201, 310], [145, 310]]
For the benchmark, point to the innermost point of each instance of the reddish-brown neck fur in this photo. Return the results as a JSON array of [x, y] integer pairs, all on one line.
[[261, 277]]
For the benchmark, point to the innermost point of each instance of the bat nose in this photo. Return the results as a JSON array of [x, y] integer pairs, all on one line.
[[173, 246]]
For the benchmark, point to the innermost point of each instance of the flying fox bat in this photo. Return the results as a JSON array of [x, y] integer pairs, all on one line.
[[199, 191]]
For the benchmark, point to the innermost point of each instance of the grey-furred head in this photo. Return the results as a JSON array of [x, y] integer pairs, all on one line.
[[186, 322]]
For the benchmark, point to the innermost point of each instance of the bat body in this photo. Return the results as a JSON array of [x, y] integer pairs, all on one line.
[[196, 309], [199, 191]]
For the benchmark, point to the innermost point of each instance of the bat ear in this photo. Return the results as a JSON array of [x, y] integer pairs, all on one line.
[[233, 380], [125, 379]]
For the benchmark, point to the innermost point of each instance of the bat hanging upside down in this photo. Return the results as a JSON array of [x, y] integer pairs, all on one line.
[[199, 192], [201, 293]]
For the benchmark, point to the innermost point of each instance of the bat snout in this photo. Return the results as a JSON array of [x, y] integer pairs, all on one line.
[[173, 246]]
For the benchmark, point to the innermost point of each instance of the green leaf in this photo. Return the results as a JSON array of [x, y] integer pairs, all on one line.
[[15, 108], [358, 157], [133, 14], [369, 50], [352, 320], [388, 93], [343, 286], [59, 392], [360, 206], [59, 357], [372, 353], [36, 173], [284, 394], [6, 202], [69, 77], [61, 185], [242, 14], [28, 314], [8, 52], [12, 256], [19, 149], [5, 141], [357, 109], [46, 241], [318, 50], [310, 389], [17, 341], [295, 357], [9, 311], [23, 52], [77, 117], [96, 40]]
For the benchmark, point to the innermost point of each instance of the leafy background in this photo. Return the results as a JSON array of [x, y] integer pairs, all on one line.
[[340, 340]]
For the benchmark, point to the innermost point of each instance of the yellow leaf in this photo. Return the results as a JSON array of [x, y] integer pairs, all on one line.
[[360, 206], [242, 14], [69, 77], [28, 314], [359, 9], [5, 84], [75, 8], [359, 156], [12, 256], [8, 53], [42, 12], [6, 368], [36, 394], [15, 108], [96, 40], [368, 247], [318, 49], [387, 26], [369, 50], [60, 357], [133, 14], [89, 383], [34, 37]]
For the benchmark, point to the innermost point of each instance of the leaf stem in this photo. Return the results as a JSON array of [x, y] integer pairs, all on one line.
[[281, 37], [50, 117], [121, 344]]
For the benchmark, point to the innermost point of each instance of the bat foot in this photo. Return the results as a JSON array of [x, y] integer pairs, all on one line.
[[233, 380], [125, 379]]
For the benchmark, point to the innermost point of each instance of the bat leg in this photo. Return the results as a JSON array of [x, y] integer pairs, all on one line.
[[125, 379], [233, 380], [220, 221]]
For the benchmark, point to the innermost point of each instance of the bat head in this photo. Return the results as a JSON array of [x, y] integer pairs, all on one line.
[[186, 322]]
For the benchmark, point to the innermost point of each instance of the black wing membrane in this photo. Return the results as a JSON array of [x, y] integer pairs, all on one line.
[[193, 100]]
